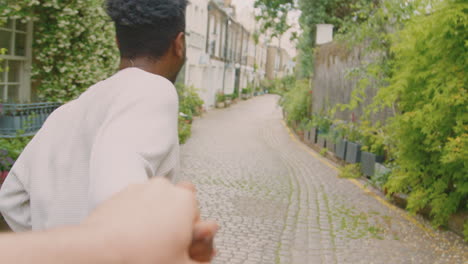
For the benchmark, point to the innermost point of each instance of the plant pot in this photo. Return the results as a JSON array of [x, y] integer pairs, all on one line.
[[228, 102], [300, 133], [353, 152], [307, 136], [341, 147], [244, 96], [313, 135], [220, 105], [322, 141], [368, 162], [331, 145]]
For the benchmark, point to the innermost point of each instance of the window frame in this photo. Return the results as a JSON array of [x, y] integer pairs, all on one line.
[[24, 63]]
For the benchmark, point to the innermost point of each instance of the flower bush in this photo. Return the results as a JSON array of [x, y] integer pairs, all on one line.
[[73, 44]]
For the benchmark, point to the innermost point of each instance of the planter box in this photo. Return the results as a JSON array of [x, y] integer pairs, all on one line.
[[300, 133], [307, 136], [353, 152], [321, 141], [313, 135], [368, 162], [244, 96], [331, 146], [228, 102], [220, 105], [341, 147]]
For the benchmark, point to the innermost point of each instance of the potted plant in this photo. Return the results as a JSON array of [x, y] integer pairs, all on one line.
[[228, 100], [313, 135], [245, 93], [341, 148], [322, 141], [323, 123], [353, 146], [220, 98], [373, 149], [332, 139]]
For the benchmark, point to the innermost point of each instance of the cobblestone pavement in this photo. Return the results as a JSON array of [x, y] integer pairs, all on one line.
[[276, 203]]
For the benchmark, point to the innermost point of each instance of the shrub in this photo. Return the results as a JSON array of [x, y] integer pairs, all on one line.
[[11, 149], [429, 87], [185, 130], [297, 102], [350, 171], [190, 102], [220, 97]]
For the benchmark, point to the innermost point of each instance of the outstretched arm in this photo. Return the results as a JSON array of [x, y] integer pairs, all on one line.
[[155, 222]]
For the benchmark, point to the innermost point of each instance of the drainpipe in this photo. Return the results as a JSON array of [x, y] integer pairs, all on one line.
[[225, 51]]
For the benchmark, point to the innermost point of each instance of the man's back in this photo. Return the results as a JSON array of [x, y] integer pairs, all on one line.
[[121, 131]]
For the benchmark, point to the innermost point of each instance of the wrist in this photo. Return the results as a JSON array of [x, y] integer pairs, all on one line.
[[101, 243]]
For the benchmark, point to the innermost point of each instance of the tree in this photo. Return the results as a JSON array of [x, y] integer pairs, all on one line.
[[274, 17]]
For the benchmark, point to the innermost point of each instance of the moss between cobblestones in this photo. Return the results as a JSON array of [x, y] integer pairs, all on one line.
[[356, 225]]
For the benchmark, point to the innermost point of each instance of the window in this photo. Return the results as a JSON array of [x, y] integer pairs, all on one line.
[[16, 38]]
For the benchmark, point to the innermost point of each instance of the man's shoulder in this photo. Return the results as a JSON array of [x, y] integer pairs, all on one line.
[[138, 83]]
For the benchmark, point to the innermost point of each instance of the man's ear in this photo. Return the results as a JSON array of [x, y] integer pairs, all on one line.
[[179, 45]]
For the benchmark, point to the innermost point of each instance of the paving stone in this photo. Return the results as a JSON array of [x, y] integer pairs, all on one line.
[[276, 203]]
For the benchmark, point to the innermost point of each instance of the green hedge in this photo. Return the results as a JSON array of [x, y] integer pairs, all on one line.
[[429, 87]]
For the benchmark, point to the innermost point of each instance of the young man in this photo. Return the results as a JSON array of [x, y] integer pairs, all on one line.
[[122, 130]]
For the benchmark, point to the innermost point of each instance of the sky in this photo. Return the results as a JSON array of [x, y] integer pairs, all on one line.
[[294, 18]]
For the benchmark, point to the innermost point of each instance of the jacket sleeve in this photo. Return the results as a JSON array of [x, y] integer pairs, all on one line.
[[15, 202], [135, 139]]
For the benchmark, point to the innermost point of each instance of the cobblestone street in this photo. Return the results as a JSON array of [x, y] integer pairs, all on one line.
[[277, 202]]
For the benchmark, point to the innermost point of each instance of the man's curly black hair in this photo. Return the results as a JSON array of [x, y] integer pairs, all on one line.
[[146, 27]]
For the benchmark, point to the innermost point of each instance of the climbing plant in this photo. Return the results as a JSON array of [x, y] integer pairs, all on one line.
[[73, 44]]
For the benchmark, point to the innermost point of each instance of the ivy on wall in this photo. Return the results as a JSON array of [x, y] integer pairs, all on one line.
[[73, 45]]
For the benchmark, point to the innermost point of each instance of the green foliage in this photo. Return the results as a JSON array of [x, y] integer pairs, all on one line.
[[374, 139], [322, 122], [185, 130], [350, 171], [191, 105], [280, 86], [190, 102], [465, 231], [274, 16], [349, 130], [296, 102], [13, 147], [429, 87], [220, 97], [73, 45], [323, 152]]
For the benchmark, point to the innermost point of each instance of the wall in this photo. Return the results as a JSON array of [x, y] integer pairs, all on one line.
[[333, 85]]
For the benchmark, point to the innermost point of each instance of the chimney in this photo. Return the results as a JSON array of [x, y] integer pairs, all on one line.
[[324, 34]]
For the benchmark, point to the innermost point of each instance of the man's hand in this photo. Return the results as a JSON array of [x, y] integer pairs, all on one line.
[[155, 222]]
